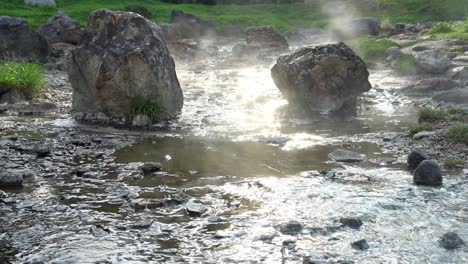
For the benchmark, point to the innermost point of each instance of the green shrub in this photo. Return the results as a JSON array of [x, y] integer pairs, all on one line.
[[453, 163], [406, 65], [370, 50], [441, 28], [27, 78], [430, 115], [459, 134], [420, 127], [143, 106]]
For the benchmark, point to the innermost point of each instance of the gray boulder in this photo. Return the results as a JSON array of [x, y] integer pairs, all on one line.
[[40, 2], [457, 98], [451, 240], [19, 41], [434, 61], [428, 173], [325, 78], [265, 38], [62, 28], [415, 158], [123, 61], [10, 179], [430, 86]]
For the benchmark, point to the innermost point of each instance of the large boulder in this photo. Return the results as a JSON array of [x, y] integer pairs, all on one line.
[[428, 173], [62, 28], [123, 68], [325, 78], [434, 61], [265, 38], [18, 40], [457, 98], [186, 26], [358, 27], [40, 2]]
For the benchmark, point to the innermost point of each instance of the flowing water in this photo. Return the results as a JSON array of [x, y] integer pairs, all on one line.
[[254, 169]]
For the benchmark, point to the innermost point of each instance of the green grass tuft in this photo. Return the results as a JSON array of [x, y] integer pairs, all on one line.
[[453, 163], [27, 78], [441, 28], [420, 127], [430, 115], [459, 134], [143, 106], [372, 51]]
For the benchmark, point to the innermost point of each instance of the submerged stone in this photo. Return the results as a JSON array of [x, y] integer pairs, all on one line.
[[351, 222], [342, 155], [451, 240], [360, 245]]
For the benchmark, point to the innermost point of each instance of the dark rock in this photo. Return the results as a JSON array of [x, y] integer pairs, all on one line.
[[451, 240], [428, 173], [136, 66], [62, 28], [146, 203], [351, 222], [10, 179], [142, 225], [291, 228], [186, 26], [325, 78], [360, 245], [195, 208], [357, 27], [19, 41], [342, 155], [150, 167], [42, 151], [265, 38], [415, 158]]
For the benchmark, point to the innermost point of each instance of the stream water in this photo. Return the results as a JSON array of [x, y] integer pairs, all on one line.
[[254, 169]]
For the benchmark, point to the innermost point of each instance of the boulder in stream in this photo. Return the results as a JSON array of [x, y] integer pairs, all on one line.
[[415, 158], [451, 240], [428, 173], [11, 179], [123, 68], [326, 78], [342, 155]]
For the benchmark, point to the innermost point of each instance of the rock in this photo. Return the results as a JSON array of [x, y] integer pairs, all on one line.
[[428, 173], [141, 121], [244, 51], [145, 203], [357, 28], [19, 41], [342, 155], [62, 28], [459, 73], [430, 86], [423, 134], [451, 240], [186, 26], [325, 78], [360, 245], [415, 158], [37, 107], [40, 2], [455, 98], [195, 208], [42, 151], [434, 61], [150, 167], [183, 49], [291, 228], [142, 225], [351, 222], [265, 38], [10, 179], [134, 68]]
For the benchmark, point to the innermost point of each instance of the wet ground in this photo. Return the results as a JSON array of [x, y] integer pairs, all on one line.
[[242, 181]]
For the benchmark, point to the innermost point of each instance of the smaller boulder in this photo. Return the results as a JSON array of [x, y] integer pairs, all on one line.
[[11, 179], [150, 167], [428, 173], [266, 38], [291, 228], [434, 61], [451, 240], [342, 155], [360, 245], [457, 98], [40, 2], [62, 28], [195, 208], [430, 86], [423, 134], [415, 158], [354, 223], [357, 28]]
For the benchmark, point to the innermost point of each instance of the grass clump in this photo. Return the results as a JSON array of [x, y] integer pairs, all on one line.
[[406, 65], [371, 50], [441, 28], [459, 134], [26, 78], [453, 163], [430, 115], [450, 31], [420, 127], [144, 106]]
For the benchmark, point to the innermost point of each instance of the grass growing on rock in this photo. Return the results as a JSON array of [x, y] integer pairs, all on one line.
[[450, 30], [143, 106], [27, 78], [430, 115], [420, 127], [371, 50], [459, 134], [453, 163]]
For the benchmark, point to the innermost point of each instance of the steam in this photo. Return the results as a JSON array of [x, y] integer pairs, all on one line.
[[340, 13]]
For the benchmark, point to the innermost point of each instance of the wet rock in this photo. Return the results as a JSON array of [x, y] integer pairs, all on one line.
[[415, 158], [423, 134], [434, 61], [265, 38], [351, 222], [459, 73], [360, 245], [19, 41], [139, 68], [62, 28], [11, 179], [42, 151], [146, 203], [186, 26], [430, 86], [357, 28], [142, 225], [195, 208], [451, 240], [180, 198], [40, 2], [150, 167], [37, 107], [428, 173], [325, 78], [455, 98], [342, 155], [291, 228], [141, 121]]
